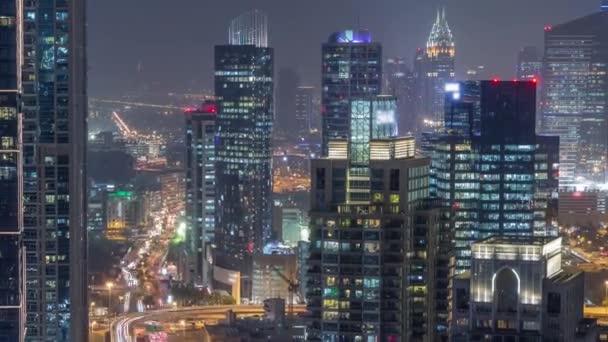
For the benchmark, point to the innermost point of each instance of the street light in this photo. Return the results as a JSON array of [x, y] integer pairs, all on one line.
[[183, 324], [109, 285]]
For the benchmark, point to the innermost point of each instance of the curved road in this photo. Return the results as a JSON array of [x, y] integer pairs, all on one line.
[[121, 328]]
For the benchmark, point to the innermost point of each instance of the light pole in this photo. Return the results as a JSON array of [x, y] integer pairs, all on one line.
[[183, 324], [109, 285]]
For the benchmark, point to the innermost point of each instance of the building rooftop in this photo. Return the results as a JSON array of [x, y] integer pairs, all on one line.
[[517, 240]]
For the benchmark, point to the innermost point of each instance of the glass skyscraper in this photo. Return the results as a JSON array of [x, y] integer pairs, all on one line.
[[200, 190], [575, 96], [244, 92], [12, 308], [54, 145], [351, 68], [491, 172]]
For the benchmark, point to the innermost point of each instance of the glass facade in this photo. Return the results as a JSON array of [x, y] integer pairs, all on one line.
[[249, 28], [11, 220], [575, 97], [54, 143], [351, 68], [490, 171], [200, 190], [244, 91]]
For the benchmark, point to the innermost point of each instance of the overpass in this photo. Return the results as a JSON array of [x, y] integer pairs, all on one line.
[[122, 327]]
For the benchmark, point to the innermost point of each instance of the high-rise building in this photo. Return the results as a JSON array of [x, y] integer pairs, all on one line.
[[200, 190], [518, 291], [285, 114], [54, 145], [12, 268], [351, 68], [250, 28], [400, 82], [529, 64], [438, 68], [304, 110], [490, 171], [575, 96], [368, 262], [244, 92]]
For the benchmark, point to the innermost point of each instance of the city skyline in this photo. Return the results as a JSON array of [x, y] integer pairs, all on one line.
[[491, 40], [284, 184]]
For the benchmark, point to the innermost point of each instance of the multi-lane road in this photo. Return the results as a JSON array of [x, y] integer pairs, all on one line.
[[123, 328]]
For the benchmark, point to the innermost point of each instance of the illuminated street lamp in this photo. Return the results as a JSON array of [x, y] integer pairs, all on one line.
[[109, 286], [183, 324]]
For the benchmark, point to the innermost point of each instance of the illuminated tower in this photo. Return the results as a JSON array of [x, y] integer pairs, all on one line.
[[54, 145], [370, 247], [243, 155], [200, 189], [575, 97], [351, 68], [439, 67], [250, 28]]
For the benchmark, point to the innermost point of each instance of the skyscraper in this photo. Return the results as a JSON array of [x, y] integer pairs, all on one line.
[[200, 190], [529, 64], [304, 109], [351, 68], [575, 96], [244, 92], [54, 145], [368, 259], [490, 171], [400, 82], [249, 28], [285, 120], [438, 67], [12, 306]]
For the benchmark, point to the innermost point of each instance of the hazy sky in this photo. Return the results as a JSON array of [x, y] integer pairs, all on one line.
[[173, 39]]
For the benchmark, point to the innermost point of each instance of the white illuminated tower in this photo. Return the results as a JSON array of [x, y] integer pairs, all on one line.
[[250, 28]]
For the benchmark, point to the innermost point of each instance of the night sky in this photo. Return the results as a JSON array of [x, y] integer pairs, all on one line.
[[173, 39]]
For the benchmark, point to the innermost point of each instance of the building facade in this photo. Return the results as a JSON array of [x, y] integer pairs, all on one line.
[[304, 110], [492, 176], [244, 92], [575, 97], [438, 68], [351, 68], [54, 145], [367, 271], [399, 81], [200, 190], [12, 268], [518, 291]]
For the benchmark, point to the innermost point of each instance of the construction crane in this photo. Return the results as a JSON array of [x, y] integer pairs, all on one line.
[[293, 287]]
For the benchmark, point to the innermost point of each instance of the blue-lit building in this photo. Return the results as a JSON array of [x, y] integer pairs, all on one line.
[[12, 308], [575, 96], [54, 190], [244, 93], [200, 191], [351, 68], [492, 174]]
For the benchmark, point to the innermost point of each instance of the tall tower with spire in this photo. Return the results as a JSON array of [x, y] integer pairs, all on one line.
[[439, 67]]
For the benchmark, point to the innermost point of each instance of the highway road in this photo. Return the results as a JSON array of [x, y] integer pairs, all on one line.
[[122, 328]]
